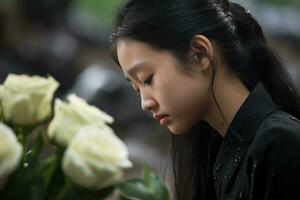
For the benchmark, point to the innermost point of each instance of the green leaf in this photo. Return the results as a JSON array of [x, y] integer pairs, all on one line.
[[71, 191], [150, 188], [135, 188], [153, 183], [124, 197], [26, 181]]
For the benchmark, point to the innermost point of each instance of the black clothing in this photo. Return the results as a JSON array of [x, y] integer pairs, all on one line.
[[259, 158]]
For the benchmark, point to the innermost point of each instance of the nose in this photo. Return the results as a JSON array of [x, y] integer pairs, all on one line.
[[148, 104]]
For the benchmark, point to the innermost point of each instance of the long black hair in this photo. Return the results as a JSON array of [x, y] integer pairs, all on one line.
[[170, 25]]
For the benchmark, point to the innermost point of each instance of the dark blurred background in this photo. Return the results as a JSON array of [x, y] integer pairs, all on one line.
[[69, 39]]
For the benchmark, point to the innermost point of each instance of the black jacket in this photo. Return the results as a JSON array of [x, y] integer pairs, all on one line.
[[259, 158]]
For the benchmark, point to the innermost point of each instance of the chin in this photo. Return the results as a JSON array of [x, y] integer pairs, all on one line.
[[176, 130], [180, 129]]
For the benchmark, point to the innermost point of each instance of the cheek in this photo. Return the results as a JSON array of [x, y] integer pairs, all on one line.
[[188, 105], [191, 105], [188, 95], [181, 95], [166, 92]]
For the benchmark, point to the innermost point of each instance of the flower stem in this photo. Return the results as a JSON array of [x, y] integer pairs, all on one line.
[[66, 188], [22, 136], [23, 140], [51, 170]]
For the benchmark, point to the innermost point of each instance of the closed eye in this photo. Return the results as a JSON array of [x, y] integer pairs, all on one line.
[[148, 81]]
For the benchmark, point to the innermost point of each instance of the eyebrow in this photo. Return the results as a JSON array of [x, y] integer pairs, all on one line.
[[135, 68]]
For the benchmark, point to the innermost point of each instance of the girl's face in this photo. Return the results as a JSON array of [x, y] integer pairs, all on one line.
[[177, 98]]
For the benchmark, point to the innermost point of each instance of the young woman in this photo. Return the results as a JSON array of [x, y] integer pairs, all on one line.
[[203, 69]]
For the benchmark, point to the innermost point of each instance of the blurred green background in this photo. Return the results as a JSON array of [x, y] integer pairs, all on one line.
[[103, 10]]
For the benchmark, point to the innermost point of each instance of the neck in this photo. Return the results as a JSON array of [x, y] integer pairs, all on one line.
[[230, 95]]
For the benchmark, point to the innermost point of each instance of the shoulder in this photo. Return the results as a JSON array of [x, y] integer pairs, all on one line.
[[281, 127], [277, 141]]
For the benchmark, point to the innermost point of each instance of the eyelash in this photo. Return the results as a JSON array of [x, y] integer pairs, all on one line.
[[148, 81]]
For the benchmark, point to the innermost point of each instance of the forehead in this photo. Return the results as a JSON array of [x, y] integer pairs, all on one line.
[[142, 56], [131, 53]]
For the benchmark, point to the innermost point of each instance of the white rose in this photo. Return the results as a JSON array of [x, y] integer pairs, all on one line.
[[95, 158], [26, 100], [70, 117], [10, 152]]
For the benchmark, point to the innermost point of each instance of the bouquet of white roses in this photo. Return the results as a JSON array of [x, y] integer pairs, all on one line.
[[69, 152]]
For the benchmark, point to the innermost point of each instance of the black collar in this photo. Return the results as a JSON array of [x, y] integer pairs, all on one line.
[[242, 130]]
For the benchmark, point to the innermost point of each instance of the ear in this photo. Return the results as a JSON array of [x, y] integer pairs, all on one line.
[[201, 52]]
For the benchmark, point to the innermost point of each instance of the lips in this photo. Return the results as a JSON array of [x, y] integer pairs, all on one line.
[[163, 118]]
